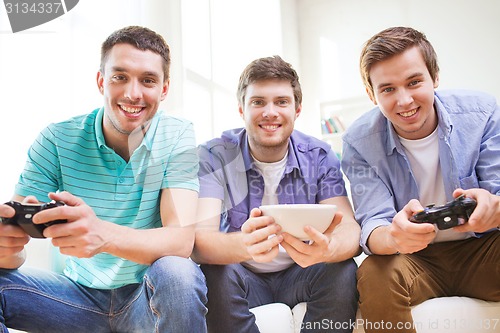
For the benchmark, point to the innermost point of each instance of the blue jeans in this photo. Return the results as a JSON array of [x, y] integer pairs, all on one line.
[[171, 298], [329, 290]]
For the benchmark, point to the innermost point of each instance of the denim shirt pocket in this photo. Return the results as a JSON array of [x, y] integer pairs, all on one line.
[[469, 182]]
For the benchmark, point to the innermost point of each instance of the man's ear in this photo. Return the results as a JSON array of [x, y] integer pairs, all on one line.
[[298, 111], [240, 110], [100, 82], [370, 95], [164, 91], [436, 81]]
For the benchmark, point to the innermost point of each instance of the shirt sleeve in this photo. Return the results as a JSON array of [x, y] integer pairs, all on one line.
[[331, 182], [211, 174], [41, 173], [488, 164], [372, 200], [182, 168]]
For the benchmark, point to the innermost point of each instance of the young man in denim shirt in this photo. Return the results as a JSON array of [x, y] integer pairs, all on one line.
[[246, 261], [418, 147]]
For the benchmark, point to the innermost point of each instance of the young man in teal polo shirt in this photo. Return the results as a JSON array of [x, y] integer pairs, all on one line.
[[128, 176]]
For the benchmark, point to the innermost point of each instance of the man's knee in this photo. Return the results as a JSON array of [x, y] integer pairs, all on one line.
[[341, 278], [222, 272], [172, 270], [347, 269], [377, 271]]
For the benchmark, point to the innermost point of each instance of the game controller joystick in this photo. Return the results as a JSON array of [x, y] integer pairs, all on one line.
[[24, 214], [449, 215]]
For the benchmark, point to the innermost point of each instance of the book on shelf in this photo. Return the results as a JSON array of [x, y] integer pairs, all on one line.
[[332, 124]]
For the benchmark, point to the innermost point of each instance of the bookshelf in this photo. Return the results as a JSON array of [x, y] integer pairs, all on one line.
[[337, 115]]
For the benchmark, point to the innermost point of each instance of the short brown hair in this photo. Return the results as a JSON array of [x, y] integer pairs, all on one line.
[[141, 38], [270, 68], [393, 41]]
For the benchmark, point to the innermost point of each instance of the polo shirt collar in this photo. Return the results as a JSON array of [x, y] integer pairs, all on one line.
[[147, 141], [98, 128]]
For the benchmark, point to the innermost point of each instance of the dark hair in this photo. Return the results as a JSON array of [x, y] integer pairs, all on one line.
[[393, 41], [141, 38], [270, 68]]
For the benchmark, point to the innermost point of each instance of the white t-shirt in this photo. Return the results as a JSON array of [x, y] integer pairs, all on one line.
[[423, 155], [272, 173]]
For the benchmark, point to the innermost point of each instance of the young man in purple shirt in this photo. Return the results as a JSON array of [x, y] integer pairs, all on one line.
[[246, 261]]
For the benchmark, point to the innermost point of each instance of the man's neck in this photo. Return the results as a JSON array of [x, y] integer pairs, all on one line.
[[125, 145], [269, 154]]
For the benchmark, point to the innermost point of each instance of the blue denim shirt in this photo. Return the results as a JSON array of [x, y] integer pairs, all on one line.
[[378, 169], [227, 172]]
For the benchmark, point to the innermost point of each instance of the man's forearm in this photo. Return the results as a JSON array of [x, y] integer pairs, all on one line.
[[146, 246], [378, 241], [345, 239], [213, 247], [14, 261]]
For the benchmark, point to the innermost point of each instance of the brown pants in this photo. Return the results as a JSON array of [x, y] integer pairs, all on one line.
[[389, 285]]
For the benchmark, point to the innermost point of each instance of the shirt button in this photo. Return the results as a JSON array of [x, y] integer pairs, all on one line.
[[120, 180]]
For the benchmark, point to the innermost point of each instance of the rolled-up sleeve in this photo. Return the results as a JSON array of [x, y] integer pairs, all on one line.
[[372, 200]]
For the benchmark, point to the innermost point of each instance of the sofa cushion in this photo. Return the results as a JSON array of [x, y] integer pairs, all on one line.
[[447, 314], [274, 318]]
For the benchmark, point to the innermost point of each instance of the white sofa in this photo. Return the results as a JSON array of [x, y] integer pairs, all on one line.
[[438, 315], [279, 318]]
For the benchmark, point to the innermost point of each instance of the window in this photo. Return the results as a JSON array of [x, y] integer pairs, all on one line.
[[219, 38], [49, 72]]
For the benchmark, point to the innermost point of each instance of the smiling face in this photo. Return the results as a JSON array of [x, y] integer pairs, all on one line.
[[133, 86], [404, 91], [269, 112]]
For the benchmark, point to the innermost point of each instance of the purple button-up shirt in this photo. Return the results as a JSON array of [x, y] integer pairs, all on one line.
[[227, 172]]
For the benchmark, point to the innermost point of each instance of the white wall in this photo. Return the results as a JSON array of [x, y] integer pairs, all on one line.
[[464, 33], [48, 73], [321, 38]]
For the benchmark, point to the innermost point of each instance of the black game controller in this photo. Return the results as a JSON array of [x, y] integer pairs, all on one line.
[[449, 215], [24, 214]]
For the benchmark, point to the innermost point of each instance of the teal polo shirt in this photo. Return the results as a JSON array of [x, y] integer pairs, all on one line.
[[73, 156]]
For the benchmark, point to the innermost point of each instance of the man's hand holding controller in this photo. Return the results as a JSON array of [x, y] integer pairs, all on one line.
[[24, 213], [404, 236], [12, 237], [81, 237], [449, 215], [486, 215], [473, 210]]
